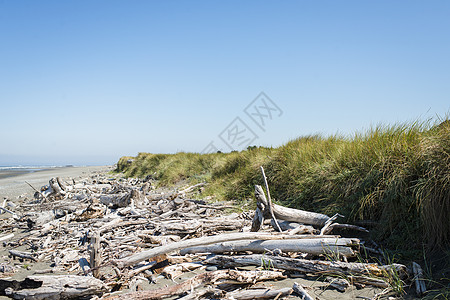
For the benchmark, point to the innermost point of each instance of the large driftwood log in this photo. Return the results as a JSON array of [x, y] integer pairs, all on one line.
[[51, 287], [207, 240], [57, 189], [305, 265], [180, 227], [289, 214], [335, 246], [215, 277], [259, 294]]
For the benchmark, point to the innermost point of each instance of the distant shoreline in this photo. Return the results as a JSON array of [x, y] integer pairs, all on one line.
[[13, 180], [12, 172]]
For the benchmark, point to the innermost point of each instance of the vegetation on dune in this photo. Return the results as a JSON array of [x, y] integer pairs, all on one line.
[[398, 176]]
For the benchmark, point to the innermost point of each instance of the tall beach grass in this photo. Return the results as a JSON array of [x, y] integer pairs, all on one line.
[[396, 176]]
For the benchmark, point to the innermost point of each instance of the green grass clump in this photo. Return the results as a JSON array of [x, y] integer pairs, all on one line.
[[398, 176]]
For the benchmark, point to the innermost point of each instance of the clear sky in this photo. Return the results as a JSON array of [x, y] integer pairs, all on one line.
[[85, 82]]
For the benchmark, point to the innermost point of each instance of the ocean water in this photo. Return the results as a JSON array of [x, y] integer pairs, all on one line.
[[11, 171]]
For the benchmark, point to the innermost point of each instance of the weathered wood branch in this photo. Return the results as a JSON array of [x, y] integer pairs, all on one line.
[[259, 294], [57, 190], [269, 202], [290, 214], [258, 219], [21, 254], [336, 246], [299, 290], [5, 237], [305, 265], [141, 256], [95, 255], [191, 188]]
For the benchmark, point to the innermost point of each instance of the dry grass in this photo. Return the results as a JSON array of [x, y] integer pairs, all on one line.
[[396, 175]]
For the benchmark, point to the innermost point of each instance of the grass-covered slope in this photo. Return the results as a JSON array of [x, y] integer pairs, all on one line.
[[397, 176]]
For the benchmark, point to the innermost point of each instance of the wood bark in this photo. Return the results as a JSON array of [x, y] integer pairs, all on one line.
[[95, 255], [335, 246], [258, 219]]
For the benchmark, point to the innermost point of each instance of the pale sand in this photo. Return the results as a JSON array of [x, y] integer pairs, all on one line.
[[12, 187]]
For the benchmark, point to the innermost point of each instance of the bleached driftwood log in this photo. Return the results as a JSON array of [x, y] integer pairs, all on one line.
[[335, 246], [214, 277], [183, 227], [259, 294], [52, 287], [289, 214], [57, 189], [306, 265], [5, 237], [207, 240], [174, 271]]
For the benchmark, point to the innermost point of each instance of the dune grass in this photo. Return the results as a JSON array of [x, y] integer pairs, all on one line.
[[397, 176]]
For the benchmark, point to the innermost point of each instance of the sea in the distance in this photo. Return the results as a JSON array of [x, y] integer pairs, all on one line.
[[11, 171]]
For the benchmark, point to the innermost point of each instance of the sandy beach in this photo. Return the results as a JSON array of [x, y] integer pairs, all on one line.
[[14, 186]]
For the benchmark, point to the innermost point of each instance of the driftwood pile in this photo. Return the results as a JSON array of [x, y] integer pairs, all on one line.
[[113, 238]]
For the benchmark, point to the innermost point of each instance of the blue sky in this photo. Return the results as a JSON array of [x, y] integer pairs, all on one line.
[[85, 82]]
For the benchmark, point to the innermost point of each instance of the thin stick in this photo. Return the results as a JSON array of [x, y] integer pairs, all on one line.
[[36, 190], [328, 223], [270, 200]]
